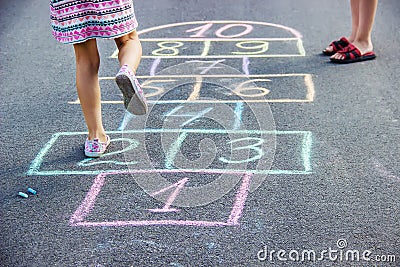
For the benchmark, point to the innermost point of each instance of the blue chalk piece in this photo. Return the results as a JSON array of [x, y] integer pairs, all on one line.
[[32, 191], [22, 195]]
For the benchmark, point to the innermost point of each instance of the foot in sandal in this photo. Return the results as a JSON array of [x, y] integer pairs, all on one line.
[[354, 52], [336, 46]]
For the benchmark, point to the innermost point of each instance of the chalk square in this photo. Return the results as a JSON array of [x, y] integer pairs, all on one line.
[[79, 217]]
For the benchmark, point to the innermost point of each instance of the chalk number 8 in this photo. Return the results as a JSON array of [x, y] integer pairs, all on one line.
[[167, 49]]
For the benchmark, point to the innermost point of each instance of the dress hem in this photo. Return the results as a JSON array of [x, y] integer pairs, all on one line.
[[94, 37]]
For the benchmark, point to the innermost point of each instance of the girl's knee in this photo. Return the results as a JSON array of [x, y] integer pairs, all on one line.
[[92, 63], [87, 55]]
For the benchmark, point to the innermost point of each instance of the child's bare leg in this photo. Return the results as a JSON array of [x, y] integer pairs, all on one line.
[[355, 18], [367, 17], [362, 40], [354, 6], [130, 50], [87, 83]]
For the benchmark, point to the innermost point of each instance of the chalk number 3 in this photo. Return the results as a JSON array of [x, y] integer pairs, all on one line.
[[255, 147]]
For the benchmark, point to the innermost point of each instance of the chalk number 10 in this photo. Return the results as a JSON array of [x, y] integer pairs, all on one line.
[[199, 32]]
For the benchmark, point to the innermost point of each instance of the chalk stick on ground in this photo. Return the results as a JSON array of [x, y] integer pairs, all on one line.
[[22, 195], [32, 191]]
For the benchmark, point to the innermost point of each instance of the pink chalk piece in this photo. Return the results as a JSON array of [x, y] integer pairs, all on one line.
[[78, 218]]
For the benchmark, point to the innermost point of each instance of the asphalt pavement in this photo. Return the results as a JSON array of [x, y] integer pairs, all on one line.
[[257, 150]]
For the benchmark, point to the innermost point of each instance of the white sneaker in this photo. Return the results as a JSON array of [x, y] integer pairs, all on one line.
[[134, 99], [94, 148]]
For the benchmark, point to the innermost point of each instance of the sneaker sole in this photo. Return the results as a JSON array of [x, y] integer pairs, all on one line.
[[93, 154], [133, 102]]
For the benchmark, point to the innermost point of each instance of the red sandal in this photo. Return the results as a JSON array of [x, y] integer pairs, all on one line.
[[353, 54], [337, 46]]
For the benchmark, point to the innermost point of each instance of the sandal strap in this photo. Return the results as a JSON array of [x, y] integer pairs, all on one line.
[[350, 52], [340, 44]]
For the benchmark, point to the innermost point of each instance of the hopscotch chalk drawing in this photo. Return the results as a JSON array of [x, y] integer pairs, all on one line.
[[204, 123]]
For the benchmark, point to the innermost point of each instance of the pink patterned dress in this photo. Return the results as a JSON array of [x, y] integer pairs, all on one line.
[[75, 21]]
